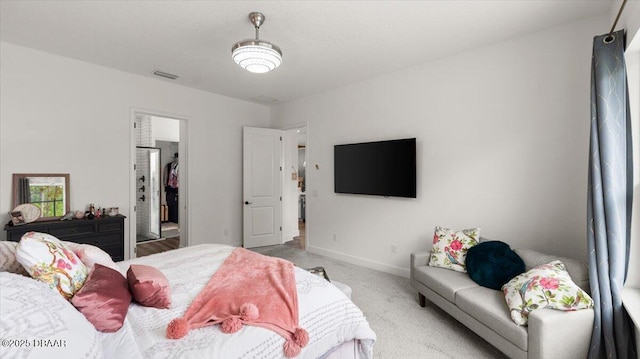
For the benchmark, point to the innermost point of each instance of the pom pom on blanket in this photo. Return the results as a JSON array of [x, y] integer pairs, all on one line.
[[301, 337], [291, 349], [177, 328], [231, 325], [249, 312]]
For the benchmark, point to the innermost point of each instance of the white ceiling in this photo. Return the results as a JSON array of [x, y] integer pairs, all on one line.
[[325, 44]]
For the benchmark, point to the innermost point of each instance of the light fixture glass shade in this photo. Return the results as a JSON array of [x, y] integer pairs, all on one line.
[[256, 56]]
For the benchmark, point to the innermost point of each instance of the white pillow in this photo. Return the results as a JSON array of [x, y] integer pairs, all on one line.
[[90, 255], [45, 258], [38, 323], [8, 261]]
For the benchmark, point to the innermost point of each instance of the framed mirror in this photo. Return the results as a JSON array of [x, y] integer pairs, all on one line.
[[48, 191]]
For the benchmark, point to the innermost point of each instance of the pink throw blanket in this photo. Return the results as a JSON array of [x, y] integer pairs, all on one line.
[[252, 289]]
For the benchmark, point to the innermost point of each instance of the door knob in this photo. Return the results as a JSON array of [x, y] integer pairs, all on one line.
[[247, 202]]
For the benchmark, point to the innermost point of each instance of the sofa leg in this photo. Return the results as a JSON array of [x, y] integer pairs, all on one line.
[[422, 300]]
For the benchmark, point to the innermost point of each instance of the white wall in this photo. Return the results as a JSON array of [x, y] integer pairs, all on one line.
[[62, 115], [502, 137], [165, 129]]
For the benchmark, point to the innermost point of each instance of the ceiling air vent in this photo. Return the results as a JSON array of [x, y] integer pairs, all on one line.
[[265, 100], [165, 75]]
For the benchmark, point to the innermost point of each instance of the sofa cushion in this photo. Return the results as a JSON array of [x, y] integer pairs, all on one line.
[[443, 281], [489, 308], [450, 247], [492, 264], [578, 271]]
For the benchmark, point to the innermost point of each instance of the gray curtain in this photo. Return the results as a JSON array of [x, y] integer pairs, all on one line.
[[24, 193], [609, 198]]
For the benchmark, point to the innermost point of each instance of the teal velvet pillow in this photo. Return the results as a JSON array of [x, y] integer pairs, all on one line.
[[492, 264]]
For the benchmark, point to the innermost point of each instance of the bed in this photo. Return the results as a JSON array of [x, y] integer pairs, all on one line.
[[337, 328]]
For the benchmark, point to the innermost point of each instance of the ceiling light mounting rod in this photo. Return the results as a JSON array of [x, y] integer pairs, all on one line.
[[257, 19]]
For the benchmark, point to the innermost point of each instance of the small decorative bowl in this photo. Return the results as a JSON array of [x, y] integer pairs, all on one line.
[[79, 214]]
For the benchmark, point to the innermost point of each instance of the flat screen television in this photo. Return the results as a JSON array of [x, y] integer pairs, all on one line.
[[383, 168]]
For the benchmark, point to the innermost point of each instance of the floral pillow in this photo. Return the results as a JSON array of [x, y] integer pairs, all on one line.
[[450, 248], [46, 259], [545, 286]]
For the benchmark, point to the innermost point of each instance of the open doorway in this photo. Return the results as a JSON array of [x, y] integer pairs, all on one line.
[[160, 178], [297, 138]]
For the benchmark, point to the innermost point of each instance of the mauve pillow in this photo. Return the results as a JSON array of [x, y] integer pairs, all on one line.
[[149, 286], [104, 299]]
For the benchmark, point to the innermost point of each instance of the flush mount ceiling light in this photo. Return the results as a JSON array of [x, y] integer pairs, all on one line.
[[256, 56]]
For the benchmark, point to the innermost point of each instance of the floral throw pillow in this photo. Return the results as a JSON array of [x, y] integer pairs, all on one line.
[[450, 248], [545, 286], [46, 259]]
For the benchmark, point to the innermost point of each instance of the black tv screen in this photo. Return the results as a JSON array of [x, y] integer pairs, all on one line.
[[383, 168]]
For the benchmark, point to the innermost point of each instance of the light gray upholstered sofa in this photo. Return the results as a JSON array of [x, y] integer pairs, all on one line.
[[550, 333]]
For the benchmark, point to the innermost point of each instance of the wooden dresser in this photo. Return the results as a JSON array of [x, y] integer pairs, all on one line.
[[106, 233]]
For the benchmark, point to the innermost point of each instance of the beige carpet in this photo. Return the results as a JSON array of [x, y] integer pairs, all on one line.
[[404, 329]]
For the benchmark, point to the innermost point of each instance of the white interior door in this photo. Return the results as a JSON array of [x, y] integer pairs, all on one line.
[[262, 189]]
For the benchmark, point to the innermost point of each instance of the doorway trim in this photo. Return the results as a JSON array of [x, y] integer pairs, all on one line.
[[183, 191]]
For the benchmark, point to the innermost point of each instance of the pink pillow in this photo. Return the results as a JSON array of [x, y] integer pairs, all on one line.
[[149, 286], [104, 299]]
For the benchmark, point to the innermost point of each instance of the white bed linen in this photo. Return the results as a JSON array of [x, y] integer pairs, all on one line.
[[325, 312]]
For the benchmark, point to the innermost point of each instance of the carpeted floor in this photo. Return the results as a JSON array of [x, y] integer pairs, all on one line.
[[404, 329]]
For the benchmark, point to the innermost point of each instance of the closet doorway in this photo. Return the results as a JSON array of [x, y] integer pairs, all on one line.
[[159, 220]]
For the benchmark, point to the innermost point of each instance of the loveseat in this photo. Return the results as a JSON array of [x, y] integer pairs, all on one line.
[[550, 333]]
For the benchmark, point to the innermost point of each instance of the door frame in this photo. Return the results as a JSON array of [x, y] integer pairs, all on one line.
[[183, 191]]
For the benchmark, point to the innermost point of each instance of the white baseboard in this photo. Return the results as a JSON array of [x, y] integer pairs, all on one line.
[[383, 267]]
